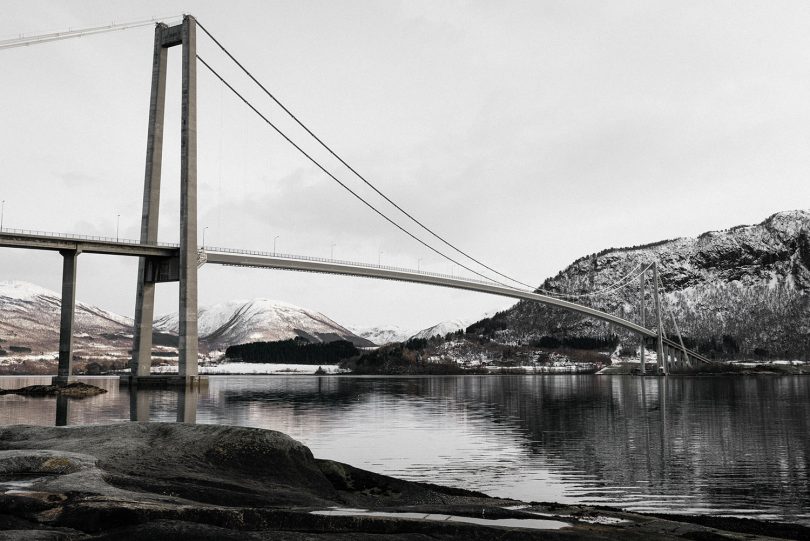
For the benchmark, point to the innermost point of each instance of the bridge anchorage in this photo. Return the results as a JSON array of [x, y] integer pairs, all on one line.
[[163, 262]]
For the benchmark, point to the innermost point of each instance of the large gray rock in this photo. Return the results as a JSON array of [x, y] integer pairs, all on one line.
[[178, 481]]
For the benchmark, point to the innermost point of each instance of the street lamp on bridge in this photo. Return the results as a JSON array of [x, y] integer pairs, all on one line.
[[2, 211], [203, 239], [117, 225], [274, 243], [379, 257], [419, 265]]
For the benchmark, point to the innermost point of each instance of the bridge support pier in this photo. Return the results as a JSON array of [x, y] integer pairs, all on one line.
[[188, 204], [661, 360], [641, 336], [150, 272], [68, 309]]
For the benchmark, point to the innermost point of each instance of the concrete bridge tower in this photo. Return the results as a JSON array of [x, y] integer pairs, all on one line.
[[183, 268]]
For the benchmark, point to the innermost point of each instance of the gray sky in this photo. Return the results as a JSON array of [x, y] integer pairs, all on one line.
[[529, 133]]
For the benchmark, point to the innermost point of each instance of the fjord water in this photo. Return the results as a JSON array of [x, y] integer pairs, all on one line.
[[715, 445]]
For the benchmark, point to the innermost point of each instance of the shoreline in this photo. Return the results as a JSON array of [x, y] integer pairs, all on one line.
[[607, 371], [134, 480]]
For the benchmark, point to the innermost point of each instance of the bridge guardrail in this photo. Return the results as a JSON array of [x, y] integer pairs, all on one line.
[[346, 262], [75, 236]]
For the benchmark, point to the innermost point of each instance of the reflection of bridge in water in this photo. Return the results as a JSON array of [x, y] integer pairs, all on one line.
[[636, 442], [188, 397], [160, 262]]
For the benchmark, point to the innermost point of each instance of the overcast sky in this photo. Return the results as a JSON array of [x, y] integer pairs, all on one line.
[[529, 133]]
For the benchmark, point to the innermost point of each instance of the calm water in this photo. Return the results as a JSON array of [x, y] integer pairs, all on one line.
[[734, 446]]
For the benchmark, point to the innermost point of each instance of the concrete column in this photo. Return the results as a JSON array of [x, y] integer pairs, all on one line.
[[188, 203], [641, 336], [65, 371], [145, 295], [661, 361]]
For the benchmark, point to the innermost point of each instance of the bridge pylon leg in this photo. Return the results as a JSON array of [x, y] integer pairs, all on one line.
[[141, 362], [188, 204], [641, 336], [661, 361]]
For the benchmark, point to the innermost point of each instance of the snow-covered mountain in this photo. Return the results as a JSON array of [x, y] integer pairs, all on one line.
[[393, 333], [30, 316], [383, 335], [443, 328], [743, 290], [261, 320]]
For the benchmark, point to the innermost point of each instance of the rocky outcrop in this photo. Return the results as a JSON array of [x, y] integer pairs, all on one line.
[[158, 480], [75, 389]]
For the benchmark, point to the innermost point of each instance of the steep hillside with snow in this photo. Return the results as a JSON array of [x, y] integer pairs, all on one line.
[[383, 335], [30, 317], [261, 320], [390, 334], [443, 328], [742, 291]]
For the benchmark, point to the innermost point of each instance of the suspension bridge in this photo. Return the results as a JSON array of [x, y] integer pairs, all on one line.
[[164, 262]]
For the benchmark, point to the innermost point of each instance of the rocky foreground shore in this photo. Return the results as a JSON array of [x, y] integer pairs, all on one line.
[[178, 481]]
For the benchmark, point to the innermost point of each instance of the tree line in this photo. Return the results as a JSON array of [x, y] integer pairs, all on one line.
[[294, 351]]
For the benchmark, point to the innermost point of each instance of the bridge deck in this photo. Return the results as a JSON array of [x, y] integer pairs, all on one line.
[[111, 246], [269, 261], [348, 269], [15, 238]]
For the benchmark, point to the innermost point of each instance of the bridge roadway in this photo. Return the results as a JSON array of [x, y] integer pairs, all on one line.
[[40, 240], [13, 238]]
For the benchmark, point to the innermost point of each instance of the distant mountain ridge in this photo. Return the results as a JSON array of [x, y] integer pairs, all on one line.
[[30, 318], [382, 335], [261, 320], [443, 328], [739, 291]]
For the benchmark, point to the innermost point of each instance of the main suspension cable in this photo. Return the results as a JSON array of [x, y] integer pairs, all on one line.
[[345, 187], [352, 169], [23, 41]]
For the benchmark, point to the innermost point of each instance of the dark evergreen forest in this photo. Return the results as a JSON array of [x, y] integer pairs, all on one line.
[[294, 351]]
